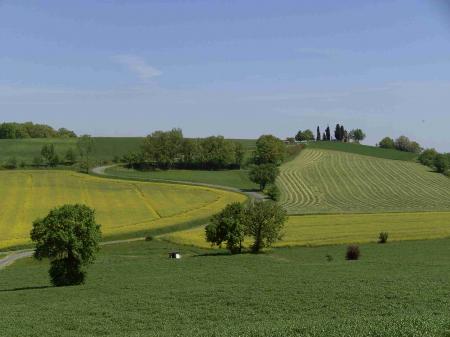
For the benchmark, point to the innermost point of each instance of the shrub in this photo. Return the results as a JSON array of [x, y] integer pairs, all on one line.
[[11, 164], [149, 238], [383, 237], [273, 192], [353, 252]]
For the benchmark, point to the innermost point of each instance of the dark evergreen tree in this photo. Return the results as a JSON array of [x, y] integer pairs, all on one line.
[[328, 133], [337, 132], [318, 134], [342, 134]]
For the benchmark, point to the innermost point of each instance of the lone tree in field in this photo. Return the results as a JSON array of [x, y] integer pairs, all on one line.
[[263, 174], [264, 221], [227, 226], [69, 237], [85, 148]]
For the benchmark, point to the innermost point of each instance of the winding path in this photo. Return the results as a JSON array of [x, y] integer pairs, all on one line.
[[252, 195], [15, 255]]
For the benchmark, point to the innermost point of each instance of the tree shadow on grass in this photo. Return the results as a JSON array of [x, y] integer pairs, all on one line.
[[25, 288]]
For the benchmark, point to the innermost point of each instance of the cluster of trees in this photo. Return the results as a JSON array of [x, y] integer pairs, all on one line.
[[437, 161], [402, 143], [269, 154], [340, 134], [263, 221], [31, 130], [169, 149]]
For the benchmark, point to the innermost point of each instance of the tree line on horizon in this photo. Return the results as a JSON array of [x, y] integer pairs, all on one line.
[[15, 130], [341, 134]]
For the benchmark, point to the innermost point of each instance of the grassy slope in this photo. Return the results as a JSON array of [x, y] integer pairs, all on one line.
[[395, 290], [106, 148], [231, 178], [322, 181], [121, 206], [365, 150]]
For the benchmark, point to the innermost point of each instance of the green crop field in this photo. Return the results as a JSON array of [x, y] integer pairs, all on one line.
[[106, 148], [365, 150], [322, 181], [121, 206], [229, 178], [394, 290]]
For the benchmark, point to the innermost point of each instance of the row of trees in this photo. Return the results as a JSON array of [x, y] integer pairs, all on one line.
[[402, 143], [169, 149], [437, 161], [263, 221], [31, 130], [340, 134]]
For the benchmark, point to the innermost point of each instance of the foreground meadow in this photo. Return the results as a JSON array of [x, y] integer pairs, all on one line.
[[122, 207], [396, 290]]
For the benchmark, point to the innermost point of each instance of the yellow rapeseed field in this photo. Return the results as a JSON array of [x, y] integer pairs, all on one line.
[[315, 230], [121, 206]]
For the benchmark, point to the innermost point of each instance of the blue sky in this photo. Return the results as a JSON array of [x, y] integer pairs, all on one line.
[[237, 68]]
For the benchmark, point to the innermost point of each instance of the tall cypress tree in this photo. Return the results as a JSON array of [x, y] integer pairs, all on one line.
[[318, 134], [337, 132], [328, 133], [343, 137]]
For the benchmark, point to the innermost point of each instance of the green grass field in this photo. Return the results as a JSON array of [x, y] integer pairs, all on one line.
[[322, 181], [231, 178], [365, 150], [395, 290], [106, 148], [122, 207]]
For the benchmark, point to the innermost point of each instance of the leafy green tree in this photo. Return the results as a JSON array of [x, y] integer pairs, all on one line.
[[269, 150], [69, 237], [442, 163], [427, 157], [273, 192], [86, 148], [227, 226], [264, 221], [403, 143], [70, 156], [357, 135], [48, 154], [306, 135], [163, 147], [263, 174], [387, 143]]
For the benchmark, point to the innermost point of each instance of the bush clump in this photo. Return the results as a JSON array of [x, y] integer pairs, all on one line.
[[353, 253], [273, 192], [383, 237]]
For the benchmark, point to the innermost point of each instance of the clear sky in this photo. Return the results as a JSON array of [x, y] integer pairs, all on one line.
[[236, 68]]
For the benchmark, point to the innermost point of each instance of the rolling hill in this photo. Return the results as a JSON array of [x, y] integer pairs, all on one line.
[[324, 181]]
